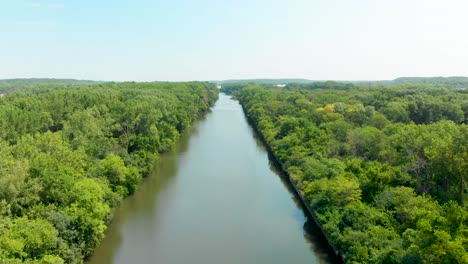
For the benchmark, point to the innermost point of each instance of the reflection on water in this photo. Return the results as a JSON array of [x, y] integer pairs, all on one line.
[[215, 199]]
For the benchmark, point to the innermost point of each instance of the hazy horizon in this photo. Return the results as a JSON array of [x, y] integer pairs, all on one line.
[[212, 40], [227, 80]]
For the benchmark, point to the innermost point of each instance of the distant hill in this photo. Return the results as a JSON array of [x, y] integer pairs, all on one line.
[[451, 82]]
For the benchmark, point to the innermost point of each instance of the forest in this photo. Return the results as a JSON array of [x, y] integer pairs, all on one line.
[[384, 166], [455, 82], [12, 85], [70, 152], [459, 82]]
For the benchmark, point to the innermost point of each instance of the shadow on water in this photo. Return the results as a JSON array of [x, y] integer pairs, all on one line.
[[312, 232], [144, 200], [178, 213]]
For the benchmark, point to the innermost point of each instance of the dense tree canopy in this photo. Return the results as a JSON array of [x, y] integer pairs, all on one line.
[[453, 82], [12, 85], [70, 152], [384, 167]]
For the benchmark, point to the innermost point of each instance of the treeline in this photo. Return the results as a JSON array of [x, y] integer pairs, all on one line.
[[383, 167], [263, 81], [450, 82], [456, 82], [11, 85], [321, 86], [231, 87], [69, 156]]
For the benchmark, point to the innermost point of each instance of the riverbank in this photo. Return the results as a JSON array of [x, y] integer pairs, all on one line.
[[73, 152], [164, 159], [216, 198], [293, 185]]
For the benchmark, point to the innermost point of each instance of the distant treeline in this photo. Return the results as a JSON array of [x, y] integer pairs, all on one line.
[[384, 166], [441, 82], [69, 154], [10, 85], [264, 81], [450, 82]]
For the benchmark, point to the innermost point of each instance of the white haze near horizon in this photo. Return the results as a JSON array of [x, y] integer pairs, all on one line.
[[215, 40]]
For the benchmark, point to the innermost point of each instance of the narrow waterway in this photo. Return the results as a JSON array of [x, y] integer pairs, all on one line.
[[215, 199]]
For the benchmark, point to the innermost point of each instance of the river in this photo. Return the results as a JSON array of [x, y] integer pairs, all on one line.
[[216, 198]]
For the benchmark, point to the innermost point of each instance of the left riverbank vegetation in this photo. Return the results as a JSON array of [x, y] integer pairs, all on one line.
[[383, 166], [69, 153]]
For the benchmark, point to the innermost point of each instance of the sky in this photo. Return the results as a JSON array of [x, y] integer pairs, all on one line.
[[181, 40]]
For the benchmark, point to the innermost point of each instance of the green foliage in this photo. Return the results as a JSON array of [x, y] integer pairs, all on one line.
[[337, 191], [70, 152], [452, 82], [383, 166], [24, 238], [122, 179]]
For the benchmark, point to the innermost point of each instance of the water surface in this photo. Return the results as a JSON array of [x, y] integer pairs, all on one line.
[[215, 199]]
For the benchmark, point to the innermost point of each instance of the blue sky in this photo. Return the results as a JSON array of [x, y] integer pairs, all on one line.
[[145, 40]]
